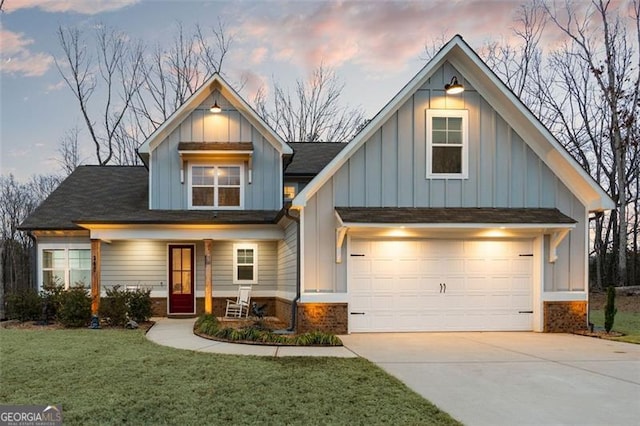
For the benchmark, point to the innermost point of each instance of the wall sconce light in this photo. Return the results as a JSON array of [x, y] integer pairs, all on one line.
[[454, 87], [215, 108]]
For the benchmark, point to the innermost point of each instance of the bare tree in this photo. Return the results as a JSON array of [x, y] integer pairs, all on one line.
[[314, 112], [608, 96], [114, 69], [69, 151], [17, 201], [173, 74]]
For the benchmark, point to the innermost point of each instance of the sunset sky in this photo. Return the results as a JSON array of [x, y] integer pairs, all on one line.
[[374, 46]]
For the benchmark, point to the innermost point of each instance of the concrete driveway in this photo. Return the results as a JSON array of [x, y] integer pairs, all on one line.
[[513, 378]]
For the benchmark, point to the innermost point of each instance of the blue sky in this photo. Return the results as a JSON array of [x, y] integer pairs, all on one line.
[[374, 46]]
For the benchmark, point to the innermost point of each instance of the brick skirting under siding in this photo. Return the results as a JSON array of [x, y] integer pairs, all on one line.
[[329, 317], [565, 317], [275, 306]]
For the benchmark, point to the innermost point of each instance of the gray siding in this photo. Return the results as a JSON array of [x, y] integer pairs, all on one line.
[[390, 170], [287, 252], [144, 264], [264, 193]]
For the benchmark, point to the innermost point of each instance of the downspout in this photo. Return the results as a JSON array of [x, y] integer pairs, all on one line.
[[33, 261], [294, 304]]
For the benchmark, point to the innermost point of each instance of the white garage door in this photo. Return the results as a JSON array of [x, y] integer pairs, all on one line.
[[440, 285]]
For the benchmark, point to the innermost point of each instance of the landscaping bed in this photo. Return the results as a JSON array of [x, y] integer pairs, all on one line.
[[626, 326], [254, 331]]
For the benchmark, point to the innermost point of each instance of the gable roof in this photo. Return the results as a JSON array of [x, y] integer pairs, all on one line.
[[309, 158], [119, 195], [215, 82], [462, 57]]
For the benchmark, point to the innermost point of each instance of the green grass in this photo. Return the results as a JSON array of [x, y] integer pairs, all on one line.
[[625, 322], [115, 377]]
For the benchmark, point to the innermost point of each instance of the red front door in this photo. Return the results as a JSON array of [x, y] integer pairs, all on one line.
[[181, 286]]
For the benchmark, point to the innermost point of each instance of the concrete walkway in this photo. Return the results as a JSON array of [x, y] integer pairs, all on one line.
[[178, 333]]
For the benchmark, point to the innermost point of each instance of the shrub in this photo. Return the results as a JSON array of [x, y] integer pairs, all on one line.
[[207, 324], [74, 309], [50, 296], [140, 305], [114, 307], [610, 309], [25, 305]]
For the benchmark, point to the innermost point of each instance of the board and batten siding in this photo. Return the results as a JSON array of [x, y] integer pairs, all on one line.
[[167, 192], [144, 264], [389, 170], [287, 265]]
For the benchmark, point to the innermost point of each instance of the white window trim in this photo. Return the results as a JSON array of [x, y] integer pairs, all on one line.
[[461, 113], [239, 246], [66, 248], [214, 164]]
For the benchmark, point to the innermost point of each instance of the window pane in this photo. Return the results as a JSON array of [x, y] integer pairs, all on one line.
[[228, 197], [202, 197], [447, 160], [245, 256], [80, 259], [245, 273], [289, 192], [203, 175], [54, 277], [454, 123], [80, 277], [186, 282], [177, 282], [177, 259], [53, 259], [439, 123], [186, 259], [229, 175], [454, 138], [439, 137]]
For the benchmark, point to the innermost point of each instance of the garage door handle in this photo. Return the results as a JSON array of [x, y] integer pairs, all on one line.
[[443, 288], [357, 313], [525, 312]]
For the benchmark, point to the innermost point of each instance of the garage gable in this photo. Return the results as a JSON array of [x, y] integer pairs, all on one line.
[[479, 148]]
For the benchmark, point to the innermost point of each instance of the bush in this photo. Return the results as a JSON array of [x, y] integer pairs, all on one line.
[[25, 305], [610, 309], [140, 305], [50, 296], [113, 308], [318, 338], [74, 309], [207, 324]]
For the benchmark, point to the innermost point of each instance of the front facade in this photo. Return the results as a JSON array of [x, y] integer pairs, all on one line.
[[445, 213]]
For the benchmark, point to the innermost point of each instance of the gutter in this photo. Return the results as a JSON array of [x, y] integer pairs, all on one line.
[[294, 304]]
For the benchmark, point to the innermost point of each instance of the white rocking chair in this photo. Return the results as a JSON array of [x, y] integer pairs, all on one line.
[[239, 307]]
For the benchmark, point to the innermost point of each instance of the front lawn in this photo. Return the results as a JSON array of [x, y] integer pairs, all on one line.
[[627, 323], [115, 376]]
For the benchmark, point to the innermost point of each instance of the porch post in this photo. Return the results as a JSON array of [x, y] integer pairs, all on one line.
[[208, 277], [95, 276]]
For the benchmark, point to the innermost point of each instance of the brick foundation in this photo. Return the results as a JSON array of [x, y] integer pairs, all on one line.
[[330, 317], [565, 317], [277, 307]]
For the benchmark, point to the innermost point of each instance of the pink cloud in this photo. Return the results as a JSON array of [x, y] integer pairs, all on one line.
[[79, 6], [16, 58]]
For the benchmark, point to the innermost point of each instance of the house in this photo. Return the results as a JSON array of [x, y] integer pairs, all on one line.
[[445, 212]]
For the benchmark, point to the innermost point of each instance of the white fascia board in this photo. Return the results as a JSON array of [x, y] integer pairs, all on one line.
[[564, 296], [530, 129], [534, 226], [324, 298], [187, 233], [369, 130]]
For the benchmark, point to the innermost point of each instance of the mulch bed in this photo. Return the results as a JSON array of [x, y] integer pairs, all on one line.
[[36, 325]]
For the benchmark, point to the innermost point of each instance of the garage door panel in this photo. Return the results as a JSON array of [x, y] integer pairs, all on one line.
[[397, 285]]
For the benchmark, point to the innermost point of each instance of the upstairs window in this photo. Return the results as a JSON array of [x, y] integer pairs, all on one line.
[[290, 191], [216, 186], [447, 143]]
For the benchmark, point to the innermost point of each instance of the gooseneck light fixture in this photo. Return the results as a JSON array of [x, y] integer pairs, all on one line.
[[215, 108], [454, 87]]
